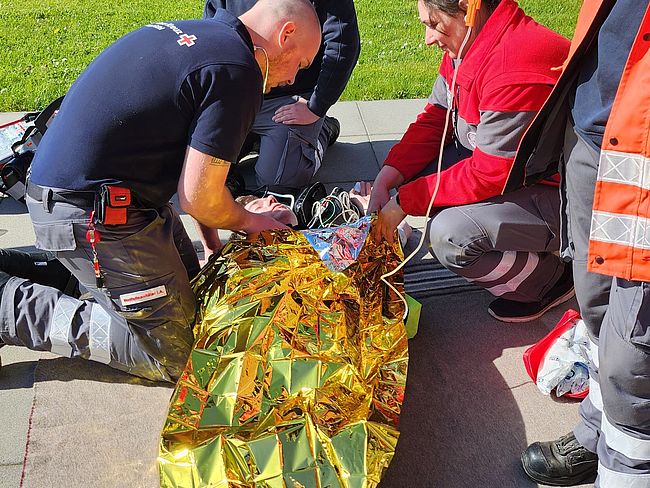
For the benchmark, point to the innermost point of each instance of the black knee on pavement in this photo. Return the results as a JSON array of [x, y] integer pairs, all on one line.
[[332, 128]]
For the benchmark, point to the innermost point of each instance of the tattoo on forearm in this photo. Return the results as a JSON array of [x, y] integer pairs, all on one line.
[[218, 162]]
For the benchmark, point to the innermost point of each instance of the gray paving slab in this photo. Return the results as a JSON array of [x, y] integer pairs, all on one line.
[[351, 158], [16, 397], [382, 143], [10, 475], [15, 227], [6, 117], [389, 116], [350, 117]]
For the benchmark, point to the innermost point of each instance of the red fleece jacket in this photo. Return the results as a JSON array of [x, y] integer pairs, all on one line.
[[507, 70]]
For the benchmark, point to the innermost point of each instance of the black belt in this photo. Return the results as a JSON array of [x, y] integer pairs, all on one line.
[[83, 199]]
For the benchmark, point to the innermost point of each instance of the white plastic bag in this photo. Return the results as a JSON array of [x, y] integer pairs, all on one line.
[[566, 363]]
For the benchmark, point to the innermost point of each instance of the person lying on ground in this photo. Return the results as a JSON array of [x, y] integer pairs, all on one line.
[[340, 207]]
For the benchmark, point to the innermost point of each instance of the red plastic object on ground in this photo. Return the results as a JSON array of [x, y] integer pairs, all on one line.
[[534, 355]]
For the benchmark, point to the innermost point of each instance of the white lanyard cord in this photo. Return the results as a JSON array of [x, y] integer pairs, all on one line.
[[435, 190], [266, 71]]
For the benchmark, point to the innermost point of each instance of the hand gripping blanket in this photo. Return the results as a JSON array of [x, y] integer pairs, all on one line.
[[298, 371]]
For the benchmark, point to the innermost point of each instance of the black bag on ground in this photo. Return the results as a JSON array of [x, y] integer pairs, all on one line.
[[14, 169], [303, 208]]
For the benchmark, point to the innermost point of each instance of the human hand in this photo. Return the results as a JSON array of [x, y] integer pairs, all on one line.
[[379, 197], [297, 113], [360, 195], [390, 217], [209, 251]]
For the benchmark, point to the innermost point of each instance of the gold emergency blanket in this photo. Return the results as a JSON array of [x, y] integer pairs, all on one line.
[[297, 374]]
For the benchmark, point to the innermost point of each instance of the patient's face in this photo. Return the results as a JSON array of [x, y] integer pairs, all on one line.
[[271, 207]]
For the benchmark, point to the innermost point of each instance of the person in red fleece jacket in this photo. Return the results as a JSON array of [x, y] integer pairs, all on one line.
[[503, 243]]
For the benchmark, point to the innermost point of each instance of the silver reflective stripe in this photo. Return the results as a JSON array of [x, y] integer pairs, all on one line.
[[629, 169], [593, 353], [595, 396], [613, 479], [513, 284], [505, 265], [619, 441], [17, 191], [64, 312], [99, 336], [622, 229]]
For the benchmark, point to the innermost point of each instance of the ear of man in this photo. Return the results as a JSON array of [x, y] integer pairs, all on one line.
[[287, 31]]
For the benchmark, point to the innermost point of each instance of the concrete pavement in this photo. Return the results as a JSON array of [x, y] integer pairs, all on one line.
[[516, 410]]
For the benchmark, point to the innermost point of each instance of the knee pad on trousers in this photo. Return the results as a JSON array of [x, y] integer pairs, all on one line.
[[452, 237]]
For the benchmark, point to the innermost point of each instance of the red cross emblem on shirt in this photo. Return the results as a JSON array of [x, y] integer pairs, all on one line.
[[186, 40]]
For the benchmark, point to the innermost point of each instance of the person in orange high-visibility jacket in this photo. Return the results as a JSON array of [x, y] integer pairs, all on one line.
[[597, 122]]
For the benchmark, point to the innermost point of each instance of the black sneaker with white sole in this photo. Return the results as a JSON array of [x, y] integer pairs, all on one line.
[[511, 311]]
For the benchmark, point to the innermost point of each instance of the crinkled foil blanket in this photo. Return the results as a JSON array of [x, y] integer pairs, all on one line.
[[298, 371]]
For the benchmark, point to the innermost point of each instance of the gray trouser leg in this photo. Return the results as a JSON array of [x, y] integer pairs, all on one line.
[[290, 155], [624, 367], [505, 244], [580, 169], [140, 323]]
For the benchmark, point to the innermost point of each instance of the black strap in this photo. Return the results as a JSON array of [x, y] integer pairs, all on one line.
[[83, 199]]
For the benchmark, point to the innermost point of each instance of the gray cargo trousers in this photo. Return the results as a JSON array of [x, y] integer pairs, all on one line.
[[140, 322], [615, 416], [507, 244], [290, 155]]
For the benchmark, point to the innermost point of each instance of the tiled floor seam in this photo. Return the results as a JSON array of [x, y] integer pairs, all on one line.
[[365, 127]]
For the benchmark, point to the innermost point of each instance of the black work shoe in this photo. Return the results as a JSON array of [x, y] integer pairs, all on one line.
[[511, 311], [332, 128], [40, 267], [563, 462]]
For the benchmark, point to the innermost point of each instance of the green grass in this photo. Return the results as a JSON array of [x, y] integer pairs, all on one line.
[[45, 44]]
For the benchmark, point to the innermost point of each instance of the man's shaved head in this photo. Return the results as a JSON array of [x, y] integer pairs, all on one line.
[[288, 32], [292, 9]]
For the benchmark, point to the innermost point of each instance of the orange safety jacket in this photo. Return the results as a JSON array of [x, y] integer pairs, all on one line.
[[619, 242]]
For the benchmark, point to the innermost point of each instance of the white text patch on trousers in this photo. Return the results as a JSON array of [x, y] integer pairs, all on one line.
[[143, 296]]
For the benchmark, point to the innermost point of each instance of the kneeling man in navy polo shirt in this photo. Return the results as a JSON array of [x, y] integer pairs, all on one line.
[[164, 109]]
